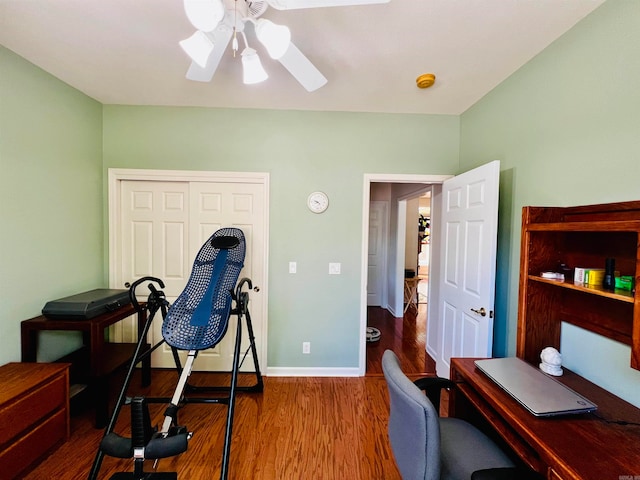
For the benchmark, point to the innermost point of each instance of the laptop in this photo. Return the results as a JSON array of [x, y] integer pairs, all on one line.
[[538, 392]]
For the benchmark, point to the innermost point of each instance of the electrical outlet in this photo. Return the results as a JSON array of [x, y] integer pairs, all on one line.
[[306, 348], [334, 268], [293, 267]]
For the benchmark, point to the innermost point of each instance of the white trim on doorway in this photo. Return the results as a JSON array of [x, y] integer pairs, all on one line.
[[370, 178]]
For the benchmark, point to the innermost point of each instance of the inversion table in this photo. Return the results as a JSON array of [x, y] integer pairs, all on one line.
[[196, 321]]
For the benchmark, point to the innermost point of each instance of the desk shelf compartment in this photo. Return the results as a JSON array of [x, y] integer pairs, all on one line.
[[578, 237]]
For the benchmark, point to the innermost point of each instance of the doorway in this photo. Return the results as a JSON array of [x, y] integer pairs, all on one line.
[[402, 326], [462, 269], [405, 330]]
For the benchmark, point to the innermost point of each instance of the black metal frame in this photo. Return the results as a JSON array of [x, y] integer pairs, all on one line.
[[164, 443]]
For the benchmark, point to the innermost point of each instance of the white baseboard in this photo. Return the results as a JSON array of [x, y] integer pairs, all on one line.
[[311, 372], [432, 353], [394, 313]]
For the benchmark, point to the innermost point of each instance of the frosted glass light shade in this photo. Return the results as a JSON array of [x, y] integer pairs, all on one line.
[[275, 38], [198, 46], [205, 15], [252, 70]]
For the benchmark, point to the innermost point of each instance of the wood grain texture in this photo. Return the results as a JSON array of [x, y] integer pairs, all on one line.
[[34, 413], [311, 428], [594, 446], [329, 428], [406, 336], [578, 237]]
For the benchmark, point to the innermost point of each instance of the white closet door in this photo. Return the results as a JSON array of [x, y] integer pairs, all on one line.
[[163, 226], [232, 205]]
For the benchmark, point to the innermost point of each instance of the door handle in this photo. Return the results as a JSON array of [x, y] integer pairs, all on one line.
[[482, 311]]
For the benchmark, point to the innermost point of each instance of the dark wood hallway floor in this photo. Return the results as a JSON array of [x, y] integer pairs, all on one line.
[[405, 336]]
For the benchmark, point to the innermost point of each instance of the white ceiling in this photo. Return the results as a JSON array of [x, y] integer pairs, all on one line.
[[126, 51]]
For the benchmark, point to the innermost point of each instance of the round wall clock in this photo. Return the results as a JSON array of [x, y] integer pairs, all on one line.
[[318, 202]]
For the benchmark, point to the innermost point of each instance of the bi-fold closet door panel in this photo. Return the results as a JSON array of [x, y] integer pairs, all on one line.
[[163, 225]]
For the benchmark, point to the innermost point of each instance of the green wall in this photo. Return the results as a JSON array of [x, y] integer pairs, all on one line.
[[56, 145], [50, 198], [303, 152], [566, 128]]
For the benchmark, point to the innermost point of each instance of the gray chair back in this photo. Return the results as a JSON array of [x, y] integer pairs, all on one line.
[[414, 429]]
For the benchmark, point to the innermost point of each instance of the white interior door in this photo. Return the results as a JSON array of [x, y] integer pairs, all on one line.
[[155, 226], [377, 264], [469, 226], [162, 226]]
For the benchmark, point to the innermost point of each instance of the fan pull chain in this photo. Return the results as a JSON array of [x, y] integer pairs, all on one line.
[[234, 45]]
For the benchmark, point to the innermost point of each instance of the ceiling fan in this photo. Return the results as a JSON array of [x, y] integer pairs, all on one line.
[[220, 22]]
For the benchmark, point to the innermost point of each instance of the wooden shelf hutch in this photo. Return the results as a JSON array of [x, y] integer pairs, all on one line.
[[578, 237]]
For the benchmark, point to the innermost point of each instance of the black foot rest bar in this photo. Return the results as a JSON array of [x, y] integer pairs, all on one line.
[[158, 447], [146, 443]]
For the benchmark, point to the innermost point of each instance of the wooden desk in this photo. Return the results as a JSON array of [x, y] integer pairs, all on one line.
[[561, 448], [98, 357]]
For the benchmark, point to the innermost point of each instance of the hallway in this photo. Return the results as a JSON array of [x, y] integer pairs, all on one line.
[[406, 336]]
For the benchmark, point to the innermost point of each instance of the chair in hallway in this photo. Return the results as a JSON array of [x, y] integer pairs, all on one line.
[[411, 293]]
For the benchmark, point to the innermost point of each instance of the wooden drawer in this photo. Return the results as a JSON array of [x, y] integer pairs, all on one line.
[[31, 408], [34, 413], [21, 453]]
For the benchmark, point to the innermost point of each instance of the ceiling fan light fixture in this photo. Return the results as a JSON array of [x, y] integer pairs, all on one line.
[[205, 15], [275, 38], [252, 69], [199, 47]]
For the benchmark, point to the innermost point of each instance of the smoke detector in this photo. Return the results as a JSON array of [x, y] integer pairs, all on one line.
[[425, 80]]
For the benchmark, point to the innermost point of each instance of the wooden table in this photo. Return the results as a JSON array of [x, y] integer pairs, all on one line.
[[98, 357], [587, 446]]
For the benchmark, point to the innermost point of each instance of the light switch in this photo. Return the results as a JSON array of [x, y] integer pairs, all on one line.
[[334, 268], [293, 267]]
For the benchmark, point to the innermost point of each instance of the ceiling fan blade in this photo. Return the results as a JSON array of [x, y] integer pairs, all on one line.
[[302, 69], [221, 37], [295, 4]]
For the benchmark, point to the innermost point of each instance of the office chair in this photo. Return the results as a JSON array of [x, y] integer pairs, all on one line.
[[432, 448]]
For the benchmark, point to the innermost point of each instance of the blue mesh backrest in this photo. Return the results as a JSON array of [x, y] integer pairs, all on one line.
[[199, 317]]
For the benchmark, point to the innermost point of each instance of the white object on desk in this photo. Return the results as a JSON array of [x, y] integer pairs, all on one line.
[[551, 361]]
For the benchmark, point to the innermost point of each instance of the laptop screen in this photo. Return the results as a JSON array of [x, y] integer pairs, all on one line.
[[538, 392]]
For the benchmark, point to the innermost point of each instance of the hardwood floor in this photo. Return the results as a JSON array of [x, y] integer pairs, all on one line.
[[298, 428], [405, 336]]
